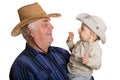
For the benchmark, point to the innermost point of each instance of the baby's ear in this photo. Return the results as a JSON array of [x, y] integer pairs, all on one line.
[[93, 36]]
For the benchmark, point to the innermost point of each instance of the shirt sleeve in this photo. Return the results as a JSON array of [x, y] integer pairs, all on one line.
[[95, 58], [70, 45], [19, 72]]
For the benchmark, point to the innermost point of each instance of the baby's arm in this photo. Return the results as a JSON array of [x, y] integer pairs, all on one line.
[[94, 59], [69, 41]]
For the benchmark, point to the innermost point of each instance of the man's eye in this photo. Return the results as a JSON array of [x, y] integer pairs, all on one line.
[[44, 25]]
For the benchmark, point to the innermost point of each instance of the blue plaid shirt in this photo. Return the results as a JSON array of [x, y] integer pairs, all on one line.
[[34, 65]]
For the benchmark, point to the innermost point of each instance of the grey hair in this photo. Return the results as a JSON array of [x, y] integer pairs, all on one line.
[[23, 30], [32, 25], [24, 33]]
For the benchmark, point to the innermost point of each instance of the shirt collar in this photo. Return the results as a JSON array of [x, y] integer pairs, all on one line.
[[35, 52]]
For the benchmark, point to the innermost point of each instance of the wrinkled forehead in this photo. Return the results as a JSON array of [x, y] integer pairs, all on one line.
[[41, 21]]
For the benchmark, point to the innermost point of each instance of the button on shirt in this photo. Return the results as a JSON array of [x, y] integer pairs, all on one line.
[[34, 65]]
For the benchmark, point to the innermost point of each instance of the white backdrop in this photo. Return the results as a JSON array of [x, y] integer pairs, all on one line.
[[108, 10]]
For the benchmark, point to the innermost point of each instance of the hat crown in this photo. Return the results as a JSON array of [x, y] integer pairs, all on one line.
[[100, 24], [29, 11]]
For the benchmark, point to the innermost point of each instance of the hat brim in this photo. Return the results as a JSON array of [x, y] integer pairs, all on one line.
[[17, 30]]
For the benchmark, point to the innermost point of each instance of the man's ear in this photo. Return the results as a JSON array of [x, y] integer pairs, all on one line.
[[29, 31]]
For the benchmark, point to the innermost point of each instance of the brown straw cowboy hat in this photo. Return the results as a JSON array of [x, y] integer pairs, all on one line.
[[28, 14]]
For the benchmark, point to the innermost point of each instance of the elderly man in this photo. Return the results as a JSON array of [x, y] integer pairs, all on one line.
[[39, 60]]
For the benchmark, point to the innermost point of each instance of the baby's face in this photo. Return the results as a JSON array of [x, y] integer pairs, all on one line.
[[84, 33]]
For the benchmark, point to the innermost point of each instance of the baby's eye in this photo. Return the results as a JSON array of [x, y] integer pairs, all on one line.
[[82, 29]]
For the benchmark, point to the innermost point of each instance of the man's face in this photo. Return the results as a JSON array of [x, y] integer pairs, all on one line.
[[42, 34]]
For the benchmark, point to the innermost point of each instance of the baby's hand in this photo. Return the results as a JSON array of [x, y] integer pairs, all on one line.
[[70, 37], [85, 58]]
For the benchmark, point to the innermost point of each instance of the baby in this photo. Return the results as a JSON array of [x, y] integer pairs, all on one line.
[[86, 53]]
